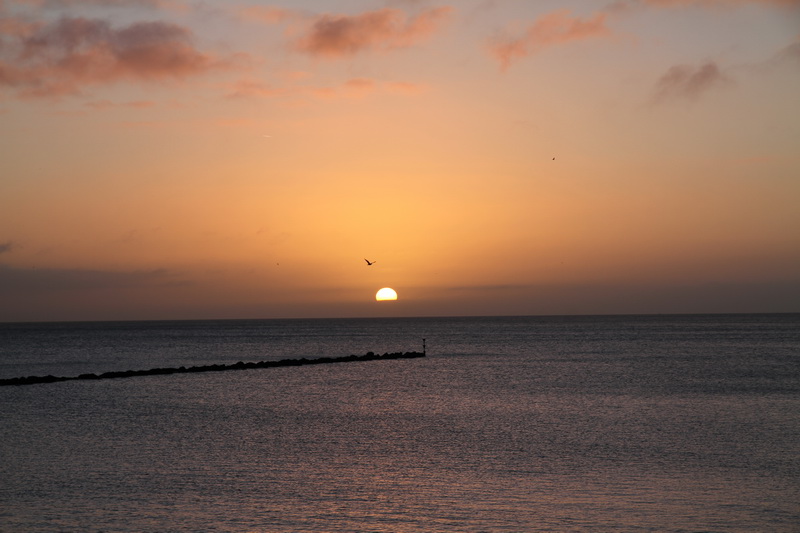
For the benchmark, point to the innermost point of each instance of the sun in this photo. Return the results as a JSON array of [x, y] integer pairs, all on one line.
[[386, 294]]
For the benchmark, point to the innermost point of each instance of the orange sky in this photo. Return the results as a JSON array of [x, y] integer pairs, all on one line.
[[180, 159]]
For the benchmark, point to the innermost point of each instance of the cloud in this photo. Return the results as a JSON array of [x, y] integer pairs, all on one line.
[[56, 4], [682, 82], [554, 28], [790, 55], [26, 280], [334, 36], [362, 87], [405, 87], [64, 56], [6, 247], [269, 15], [107, 104], [14, 26], [780, 296], [253, 89], [351, 88], [622, 6], [717, 3]]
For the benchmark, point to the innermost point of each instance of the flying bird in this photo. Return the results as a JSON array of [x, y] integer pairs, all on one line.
[[369, 263]]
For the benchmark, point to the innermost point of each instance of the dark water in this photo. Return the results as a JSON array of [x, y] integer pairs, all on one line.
[[673, 423]]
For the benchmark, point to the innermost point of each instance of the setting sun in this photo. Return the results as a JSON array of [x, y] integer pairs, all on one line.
[[386, 294]]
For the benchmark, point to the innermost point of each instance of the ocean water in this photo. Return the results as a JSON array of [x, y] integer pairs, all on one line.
[[627, 423]]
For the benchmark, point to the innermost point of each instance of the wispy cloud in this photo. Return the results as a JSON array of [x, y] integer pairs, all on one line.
[[789, 55], [718, 3], [6, 247], [335, 36], [351, 88], [108, 104], [250, 88], [685, 82], [554, 28], [61, 4], [627, 5], [362, 87], [405, 87], [64, 56]]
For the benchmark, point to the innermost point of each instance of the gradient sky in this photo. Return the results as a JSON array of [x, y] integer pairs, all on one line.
[[194, 159]]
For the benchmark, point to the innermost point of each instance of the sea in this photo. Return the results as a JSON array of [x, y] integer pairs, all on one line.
[[685, 423]]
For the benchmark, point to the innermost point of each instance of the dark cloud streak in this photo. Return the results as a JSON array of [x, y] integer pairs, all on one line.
[[780, 296], [790, 55], [684, 82], [26, 280]]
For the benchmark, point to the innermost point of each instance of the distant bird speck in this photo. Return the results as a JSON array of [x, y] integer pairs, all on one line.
[[369, 263]]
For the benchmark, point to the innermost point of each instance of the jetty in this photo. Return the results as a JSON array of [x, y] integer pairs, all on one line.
[[369, 356]]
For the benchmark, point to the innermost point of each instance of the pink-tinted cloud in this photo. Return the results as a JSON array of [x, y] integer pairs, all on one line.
[[253, 89], [333, 36], [352, 88], [107, 104], [405, 87], [360, 84], [683, 82], [64, 56], [300, 88], [269, 15], [554, 28]]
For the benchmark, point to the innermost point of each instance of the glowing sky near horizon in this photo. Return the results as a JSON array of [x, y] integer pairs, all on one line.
[[186, 159]]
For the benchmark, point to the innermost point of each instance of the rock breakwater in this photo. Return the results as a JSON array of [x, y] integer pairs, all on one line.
[[369, 356]]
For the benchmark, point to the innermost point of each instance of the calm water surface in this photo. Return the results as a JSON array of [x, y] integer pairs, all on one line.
[[510, 424]]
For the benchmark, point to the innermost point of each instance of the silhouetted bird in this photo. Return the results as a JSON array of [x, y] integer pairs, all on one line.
[[369, 263]]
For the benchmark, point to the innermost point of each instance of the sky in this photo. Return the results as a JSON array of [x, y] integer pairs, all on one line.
[[182, 159]]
